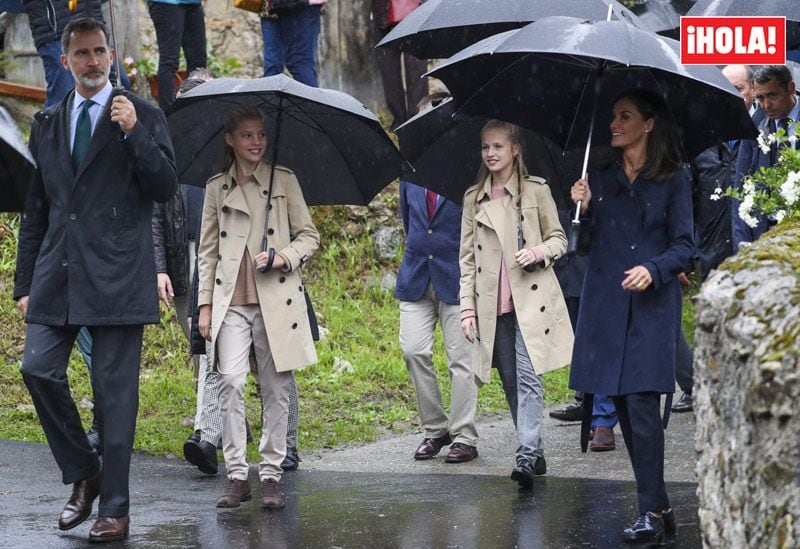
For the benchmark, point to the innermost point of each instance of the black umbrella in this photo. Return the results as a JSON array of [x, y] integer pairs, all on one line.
[[662, 16], [440, 28], [775, 8], [16, 164], [444, 148], [334, 144]]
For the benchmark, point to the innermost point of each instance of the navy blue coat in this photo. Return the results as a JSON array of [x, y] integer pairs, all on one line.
[[85, 252], [626, 342], [431, 247]]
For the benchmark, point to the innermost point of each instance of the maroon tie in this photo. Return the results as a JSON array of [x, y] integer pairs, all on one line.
[[431, 196]]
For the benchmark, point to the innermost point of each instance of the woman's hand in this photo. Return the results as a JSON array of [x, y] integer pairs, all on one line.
[[204, 322], [261, 260], [525, 257], [580, 192], [637, 279], [469, 326]]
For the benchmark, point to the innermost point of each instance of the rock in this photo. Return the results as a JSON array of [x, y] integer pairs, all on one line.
[[388, 240], [341, 366], [388, 282], [747, 389]]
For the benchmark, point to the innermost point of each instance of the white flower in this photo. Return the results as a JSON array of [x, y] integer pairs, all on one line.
[[745, 209], [779, 215], [765, 141], [790, 190], [717, 194]]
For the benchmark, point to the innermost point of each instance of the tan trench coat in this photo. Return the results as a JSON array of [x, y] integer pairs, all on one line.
[[489, 235], [227, 227]]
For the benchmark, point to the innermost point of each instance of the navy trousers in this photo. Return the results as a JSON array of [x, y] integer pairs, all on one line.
[[115, 380], [643, 431]]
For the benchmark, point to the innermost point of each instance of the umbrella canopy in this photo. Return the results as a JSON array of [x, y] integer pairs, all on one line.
[[788, 8], [440, 28], [546, 75], [333, 143], [662, 16], [16, 164], [444, 148]]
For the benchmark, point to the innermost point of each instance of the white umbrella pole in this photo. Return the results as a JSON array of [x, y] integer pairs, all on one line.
[[118, 84]]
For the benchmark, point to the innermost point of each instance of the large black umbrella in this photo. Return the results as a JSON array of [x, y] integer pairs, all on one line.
[[334, 144], [662, 16], [444, 148], [440, 28], [16, 164], [546, 76]]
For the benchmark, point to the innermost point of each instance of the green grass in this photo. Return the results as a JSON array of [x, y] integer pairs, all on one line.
[[338, 406]]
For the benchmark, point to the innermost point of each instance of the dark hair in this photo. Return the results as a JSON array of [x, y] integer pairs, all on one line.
[[235, 117], [80, 25], [515, 136], [433, 98], [663, 146], [781, 73]]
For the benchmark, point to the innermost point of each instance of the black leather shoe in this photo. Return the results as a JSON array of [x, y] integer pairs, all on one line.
[[109, 529], [540, 467], [669, 521], [684, 404], [460, 453], [79, 505], [647, 527], [570, 412], [292, 459], [523, 475], [202, 455], [431, 446]]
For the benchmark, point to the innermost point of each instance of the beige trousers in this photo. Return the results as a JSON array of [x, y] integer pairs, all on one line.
[[242, 326], [417, 326]]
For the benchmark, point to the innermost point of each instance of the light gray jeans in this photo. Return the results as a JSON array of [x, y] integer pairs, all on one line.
[[523, 388]]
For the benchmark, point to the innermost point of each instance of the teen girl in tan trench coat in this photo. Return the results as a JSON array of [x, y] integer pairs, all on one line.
[[517, 319], [241, 306]]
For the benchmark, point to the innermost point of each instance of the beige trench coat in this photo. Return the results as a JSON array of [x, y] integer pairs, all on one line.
[[227, 227], [489, 236]]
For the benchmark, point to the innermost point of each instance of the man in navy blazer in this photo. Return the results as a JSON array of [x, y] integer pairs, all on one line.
[[774, 89], [427, 287]]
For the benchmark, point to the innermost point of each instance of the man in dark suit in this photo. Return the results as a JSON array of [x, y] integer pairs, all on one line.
[[428, 288], [774, 89], [85, 258]]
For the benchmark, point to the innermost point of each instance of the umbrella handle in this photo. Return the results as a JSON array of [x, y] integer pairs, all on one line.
[[574, 236]]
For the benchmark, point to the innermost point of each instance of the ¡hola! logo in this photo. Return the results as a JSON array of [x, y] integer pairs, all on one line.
[[733, 40]]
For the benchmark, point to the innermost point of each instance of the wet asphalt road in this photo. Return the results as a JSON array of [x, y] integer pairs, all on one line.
[[367, 497]]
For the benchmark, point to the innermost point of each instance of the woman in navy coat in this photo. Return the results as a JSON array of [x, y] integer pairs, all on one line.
[[638, 211]]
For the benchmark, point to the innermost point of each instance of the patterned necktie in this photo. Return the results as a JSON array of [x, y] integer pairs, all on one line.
[[83, 135], [431, 200]]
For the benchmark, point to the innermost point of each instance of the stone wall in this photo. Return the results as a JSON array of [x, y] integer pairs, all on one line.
[[747, 396]]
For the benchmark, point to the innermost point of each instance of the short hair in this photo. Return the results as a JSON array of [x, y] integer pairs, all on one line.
[[434, 99], [779, 73], [83, 24]]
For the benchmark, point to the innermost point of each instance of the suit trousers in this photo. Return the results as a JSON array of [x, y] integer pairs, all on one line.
[[403, 85], [643, 431], [115, 380], [524, 389], [417, 326], [242, 327]]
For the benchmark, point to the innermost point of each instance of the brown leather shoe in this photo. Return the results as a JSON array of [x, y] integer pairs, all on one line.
[[79, 505], [236, 491], [431, 446], [271, 496], [109, 529], [460, 452], [603, 440]]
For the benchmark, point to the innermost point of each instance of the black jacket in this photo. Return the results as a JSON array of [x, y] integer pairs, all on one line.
[[48, 18], [169, 242], [85, 252]]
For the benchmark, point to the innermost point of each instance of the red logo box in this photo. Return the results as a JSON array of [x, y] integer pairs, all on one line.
[[733, 40]]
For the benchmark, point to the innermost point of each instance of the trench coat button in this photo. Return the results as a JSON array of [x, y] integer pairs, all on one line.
[[430, 257], [225, 187], [546, 331], [524, 241], [271, 231], [282, 279], [535, 287], [64, 263], [72, 217], [270, 206], [289, 301], [479, 269], [294, 326], [219, 256], [480, 247], [480, 224], [224, 209], [265, 193], [219, 282], [430, 231], [522, 218], [223, 234], [542, 309], [300, 288]]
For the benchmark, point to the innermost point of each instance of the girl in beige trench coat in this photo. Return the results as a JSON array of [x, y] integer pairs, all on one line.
[[517, 319], [245, 299]]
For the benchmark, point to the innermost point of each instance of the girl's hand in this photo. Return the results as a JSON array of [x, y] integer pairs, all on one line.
[[525, 257], [637, 279], [204, 322], [580, 192], [470, 328], [261, 260]]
